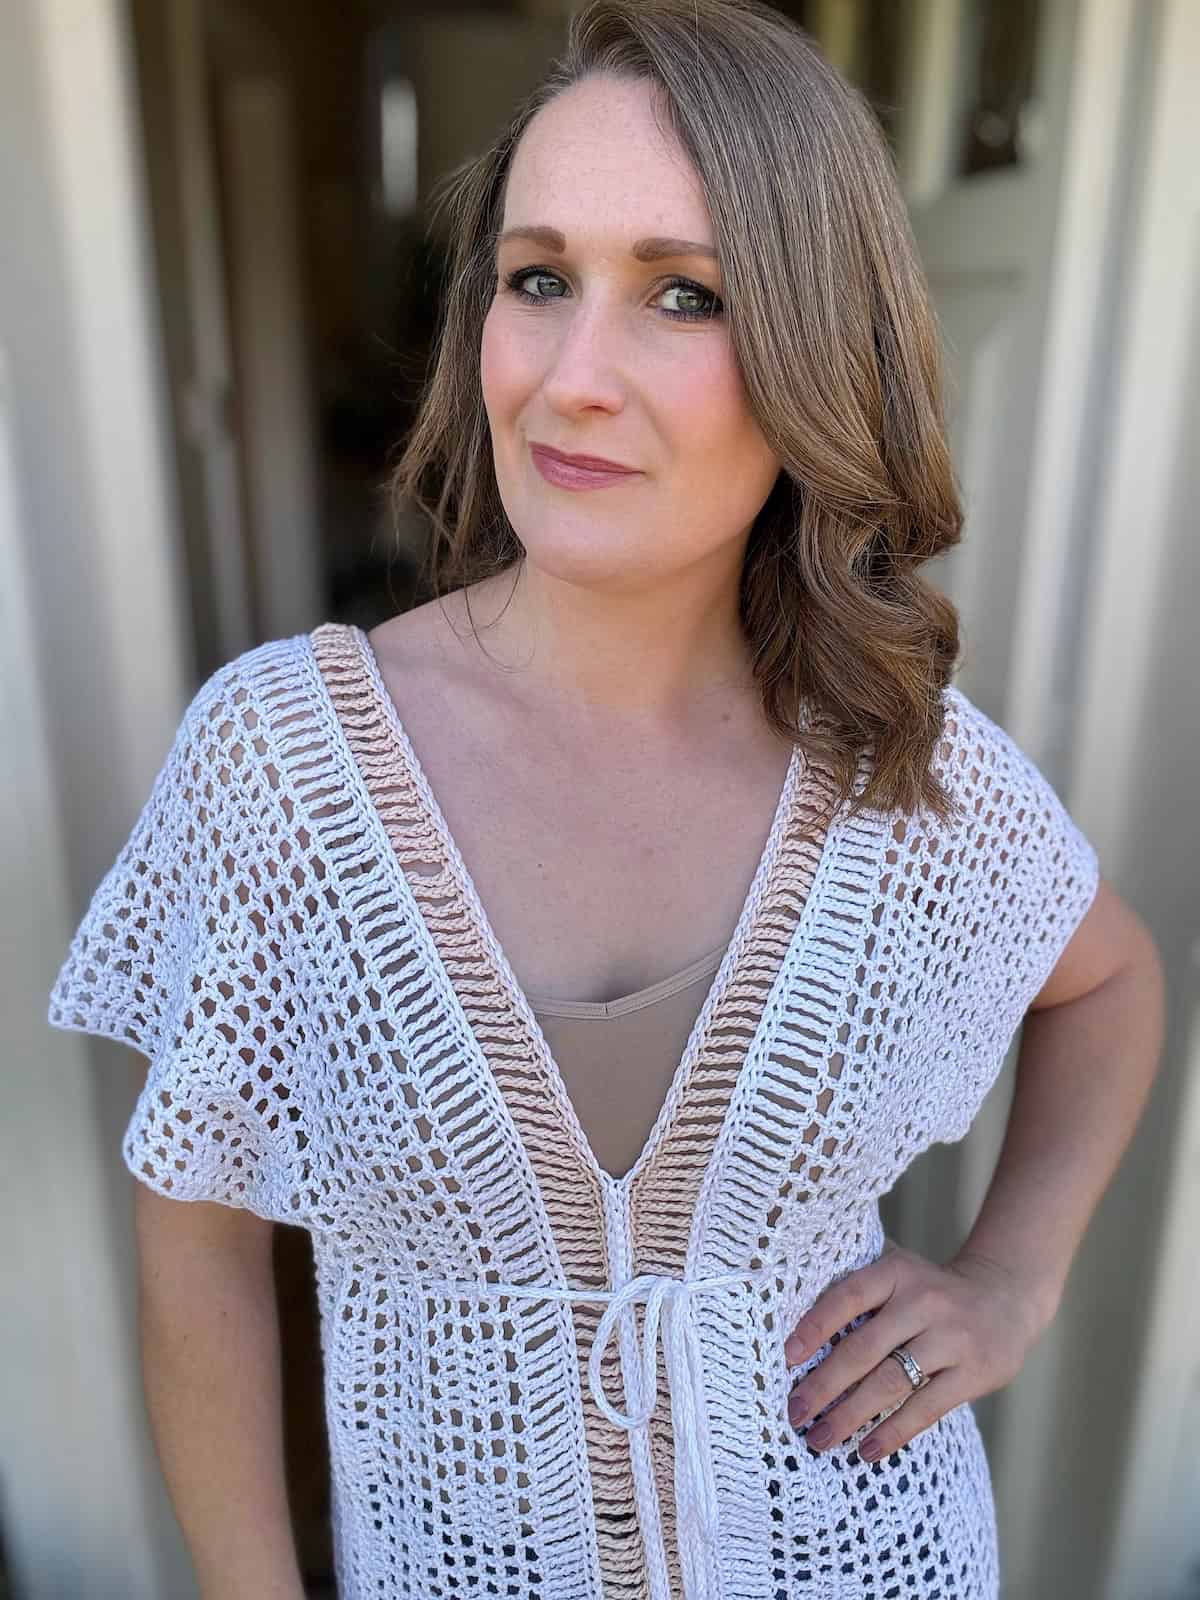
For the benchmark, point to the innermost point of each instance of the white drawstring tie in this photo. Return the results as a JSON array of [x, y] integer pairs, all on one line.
[[668, 1304]]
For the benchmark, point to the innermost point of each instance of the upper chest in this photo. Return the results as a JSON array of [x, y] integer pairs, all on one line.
[[603, 867]]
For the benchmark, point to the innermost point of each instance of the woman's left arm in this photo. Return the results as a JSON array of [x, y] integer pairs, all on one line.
[[1090, 1046]]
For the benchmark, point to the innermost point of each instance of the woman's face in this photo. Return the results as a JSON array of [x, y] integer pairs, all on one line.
[[603, 361]]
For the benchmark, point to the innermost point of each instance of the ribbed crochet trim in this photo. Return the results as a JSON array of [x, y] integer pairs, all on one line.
[[665, 1181], [665, 1195], [569, 1190]]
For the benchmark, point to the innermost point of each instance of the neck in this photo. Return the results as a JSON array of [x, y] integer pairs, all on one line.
[[647, 658]]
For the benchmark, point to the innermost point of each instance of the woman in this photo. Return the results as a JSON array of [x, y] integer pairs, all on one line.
[[395, 899]]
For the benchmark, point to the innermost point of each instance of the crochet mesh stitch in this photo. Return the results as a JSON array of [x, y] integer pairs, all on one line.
[[333, 1044]]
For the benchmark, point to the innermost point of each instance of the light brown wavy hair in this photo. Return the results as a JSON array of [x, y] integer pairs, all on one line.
[[831, 324]]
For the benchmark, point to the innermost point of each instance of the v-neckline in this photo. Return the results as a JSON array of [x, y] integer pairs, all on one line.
[[556, 1082]]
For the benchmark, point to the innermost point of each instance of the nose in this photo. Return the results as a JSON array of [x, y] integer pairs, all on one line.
[[584, 368]]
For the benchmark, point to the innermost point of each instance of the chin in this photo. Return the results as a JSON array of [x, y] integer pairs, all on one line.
[[590, 561]]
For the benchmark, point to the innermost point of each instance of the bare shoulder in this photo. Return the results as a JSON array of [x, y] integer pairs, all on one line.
[[433, 646], [447, 691], [411, 640]]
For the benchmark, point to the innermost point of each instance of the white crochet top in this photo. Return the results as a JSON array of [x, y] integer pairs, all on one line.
[[542, 1381]]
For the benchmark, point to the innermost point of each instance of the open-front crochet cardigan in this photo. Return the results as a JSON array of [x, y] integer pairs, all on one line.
[[542, 1381]]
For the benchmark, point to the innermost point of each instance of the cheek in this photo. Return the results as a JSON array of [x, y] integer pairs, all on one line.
[[707, 386], [503, 370], [490, 366], [714, 417]]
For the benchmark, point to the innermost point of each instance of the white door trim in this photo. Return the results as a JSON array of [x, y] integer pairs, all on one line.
[[97, 666], [1156, 1540]]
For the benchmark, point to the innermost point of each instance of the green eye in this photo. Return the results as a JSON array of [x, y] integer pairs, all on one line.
[[710, 304]]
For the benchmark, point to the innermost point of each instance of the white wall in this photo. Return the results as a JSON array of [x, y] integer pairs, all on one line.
[[1138, 772], [94, 675]]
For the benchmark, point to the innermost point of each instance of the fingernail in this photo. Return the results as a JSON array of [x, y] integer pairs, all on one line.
[[821, 1434], [871, 1451]]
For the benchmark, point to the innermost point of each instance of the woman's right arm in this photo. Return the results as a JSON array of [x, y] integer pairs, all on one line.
[[211, 1371]]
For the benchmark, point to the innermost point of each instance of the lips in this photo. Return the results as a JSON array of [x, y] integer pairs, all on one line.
[[585, 463]]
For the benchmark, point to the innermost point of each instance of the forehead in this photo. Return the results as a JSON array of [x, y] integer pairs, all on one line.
[[604, 151]]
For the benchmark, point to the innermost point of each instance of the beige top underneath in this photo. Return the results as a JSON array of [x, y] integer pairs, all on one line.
[[618, 1057]]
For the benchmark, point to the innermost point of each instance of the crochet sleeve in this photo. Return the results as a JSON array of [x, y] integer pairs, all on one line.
[[1021, 875], [167, 960]]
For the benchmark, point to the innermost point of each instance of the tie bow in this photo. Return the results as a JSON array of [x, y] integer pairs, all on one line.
[[668, 1310]]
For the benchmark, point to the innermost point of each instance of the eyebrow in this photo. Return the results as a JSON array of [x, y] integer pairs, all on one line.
[[653, 249]]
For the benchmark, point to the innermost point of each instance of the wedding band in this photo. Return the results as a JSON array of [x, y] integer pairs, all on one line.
[[911, 1367]]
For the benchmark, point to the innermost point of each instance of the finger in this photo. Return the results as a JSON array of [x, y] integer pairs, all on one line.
[[884, 1388], [865, 1289], [855, 1357], [919, 1412]]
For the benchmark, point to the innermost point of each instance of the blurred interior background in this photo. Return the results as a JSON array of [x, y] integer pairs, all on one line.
[[218, 292]]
